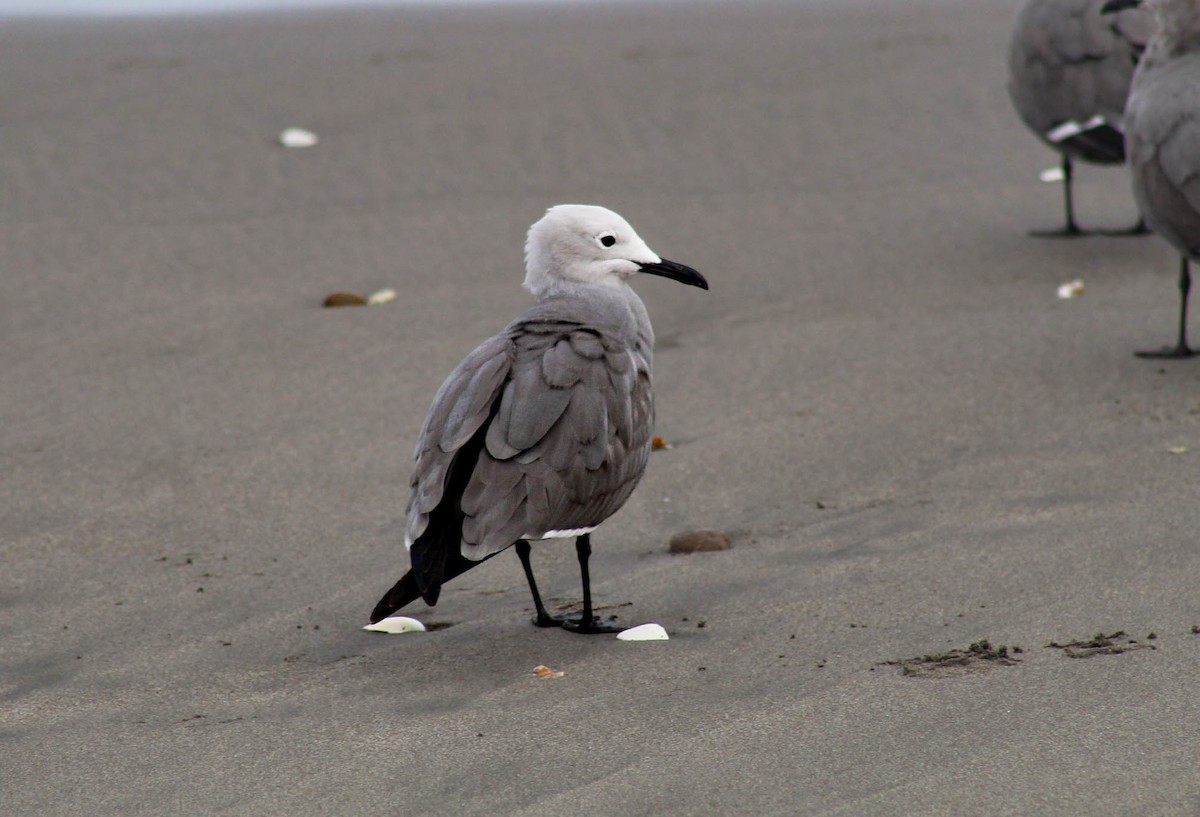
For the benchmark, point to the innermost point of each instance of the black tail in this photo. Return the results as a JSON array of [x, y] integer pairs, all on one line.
[[1102, 144], [405, 591], [436, 554], [402, 592]]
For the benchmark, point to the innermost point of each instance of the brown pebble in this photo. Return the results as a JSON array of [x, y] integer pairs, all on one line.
[[696, 541], [345, 299]]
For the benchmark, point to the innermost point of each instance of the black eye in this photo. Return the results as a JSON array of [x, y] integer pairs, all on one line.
[[608, 240]]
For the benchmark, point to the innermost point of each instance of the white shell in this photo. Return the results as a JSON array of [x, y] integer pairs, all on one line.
[[1177, 449], [382, 296], [297, 138], [1071, 289], [396, 624], [644, 632], [1052, 174]]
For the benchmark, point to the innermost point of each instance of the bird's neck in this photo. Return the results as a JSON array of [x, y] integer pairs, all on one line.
[[615, 306]]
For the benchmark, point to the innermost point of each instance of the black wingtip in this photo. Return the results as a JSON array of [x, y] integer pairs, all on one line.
[[1102, 144], [1113, 6], [402, 593], [406, 591]]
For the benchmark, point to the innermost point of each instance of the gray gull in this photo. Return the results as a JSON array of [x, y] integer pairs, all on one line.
[[1162, 119], [544, 430], [1069, 70]]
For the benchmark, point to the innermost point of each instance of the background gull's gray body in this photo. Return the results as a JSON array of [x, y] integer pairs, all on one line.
[[1067, 62], [1163, 121], [562, 404], [1069, 69]]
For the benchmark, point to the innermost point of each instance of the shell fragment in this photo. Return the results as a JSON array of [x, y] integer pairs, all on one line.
[[1071, 289], [396, 624], [297, 138], [644, 632], [382, 296]]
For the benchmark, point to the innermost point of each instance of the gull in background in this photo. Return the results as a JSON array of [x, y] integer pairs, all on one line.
[[544, 430], [1069, 69], [1162, 121]]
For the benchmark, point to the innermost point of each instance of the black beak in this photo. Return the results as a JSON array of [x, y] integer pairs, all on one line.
[[1113, 6], [676, 272]]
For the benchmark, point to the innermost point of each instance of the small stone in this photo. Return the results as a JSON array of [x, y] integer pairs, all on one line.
[[345, 299], [697, 541]]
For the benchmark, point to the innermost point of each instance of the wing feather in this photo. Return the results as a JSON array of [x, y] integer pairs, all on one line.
[[474, 402], [562, 366], [461, 407], [537, 406]]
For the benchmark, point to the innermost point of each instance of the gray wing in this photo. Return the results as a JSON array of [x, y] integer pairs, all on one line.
[[462, 405], [1164, 150], [1069, 63], [566, 411]]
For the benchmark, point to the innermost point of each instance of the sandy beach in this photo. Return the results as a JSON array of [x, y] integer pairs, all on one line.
[[914, 443]]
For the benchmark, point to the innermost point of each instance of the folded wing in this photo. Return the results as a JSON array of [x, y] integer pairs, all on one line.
[[543, 428]]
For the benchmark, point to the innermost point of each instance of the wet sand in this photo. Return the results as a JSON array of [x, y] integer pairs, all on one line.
[[914, 443]]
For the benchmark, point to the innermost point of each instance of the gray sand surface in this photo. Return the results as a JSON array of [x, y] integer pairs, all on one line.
[[914, 443]]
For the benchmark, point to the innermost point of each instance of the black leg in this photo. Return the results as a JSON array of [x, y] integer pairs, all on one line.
[[543, 618], [587, 623], [1181, 348], [1069, 196], [1070, 229]]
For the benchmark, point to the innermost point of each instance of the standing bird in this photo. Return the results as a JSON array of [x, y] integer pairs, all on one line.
[[1069, 70], [1163, 126], [544, 430]]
